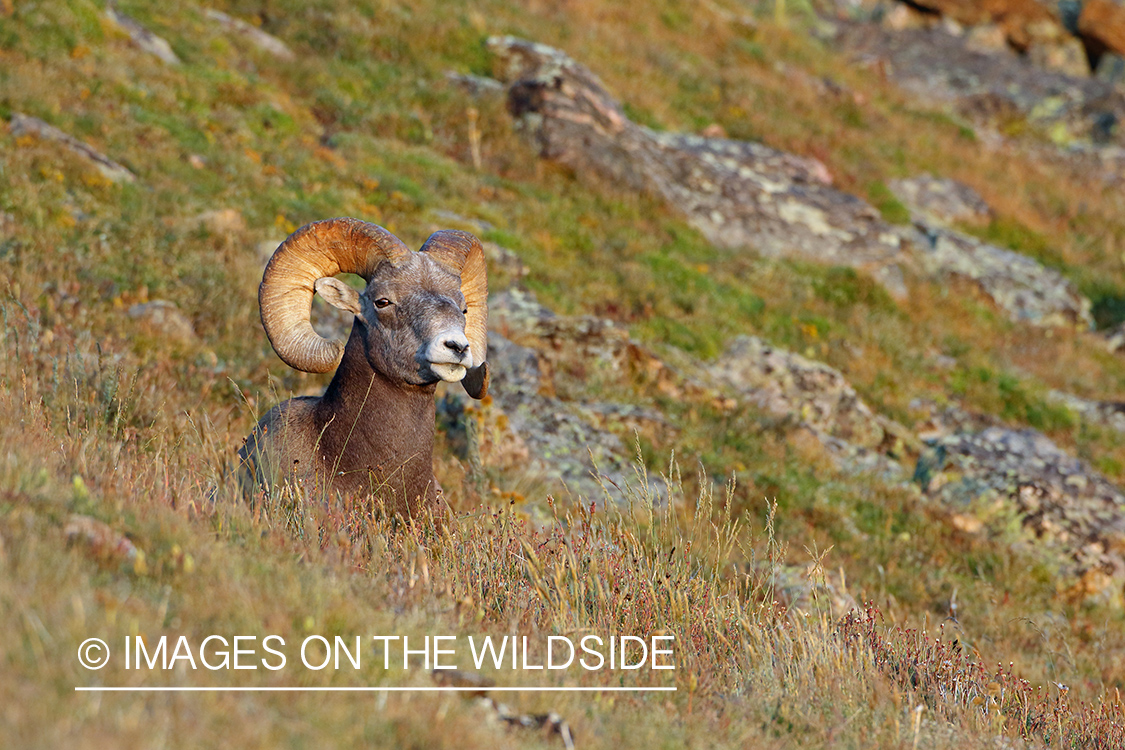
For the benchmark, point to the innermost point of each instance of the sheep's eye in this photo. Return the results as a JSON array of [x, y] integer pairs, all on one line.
[[465, 311], [382, 302]]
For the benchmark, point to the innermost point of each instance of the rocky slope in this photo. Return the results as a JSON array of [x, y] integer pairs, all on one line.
[[744, 195]]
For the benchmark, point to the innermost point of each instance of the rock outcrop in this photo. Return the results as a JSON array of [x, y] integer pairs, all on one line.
[[1023, 288], [22, 124], [1020, 286], [561, 443], [1065, 502], [743, 194], [540, 419], [812, 394], [995, 88], [939, 201], [736, 193], [1038, 26]]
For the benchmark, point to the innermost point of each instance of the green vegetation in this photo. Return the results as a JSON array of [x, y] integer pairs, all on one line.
[[889, 206], [101, 416]]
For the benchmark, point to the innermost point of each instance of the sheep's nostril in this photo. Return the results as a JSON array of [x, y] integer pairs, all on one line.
[[457, 346]]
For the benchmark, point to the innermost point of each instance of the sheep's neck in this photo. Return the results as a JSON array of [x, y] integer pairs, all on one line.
[[382, 431]]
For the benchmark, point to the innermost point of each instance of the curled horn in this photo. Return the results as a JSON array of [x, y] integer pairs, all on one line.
[[461, 253], [316, 250]]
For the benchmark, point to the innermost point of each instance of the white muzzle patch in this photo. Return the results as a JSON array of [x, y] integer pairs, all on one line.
[[449, 355]]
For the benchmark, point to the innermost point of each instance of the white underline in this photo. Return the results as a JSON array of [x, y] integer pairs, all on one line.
[[373, 689]]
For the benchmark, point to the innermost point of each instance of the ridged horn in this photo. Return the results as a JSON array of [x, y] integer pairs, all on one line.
[[461, 253], [316, 250]]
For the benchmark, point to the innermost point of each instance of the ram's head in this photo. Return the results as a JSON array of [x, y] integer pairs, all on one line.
[[422, 317]]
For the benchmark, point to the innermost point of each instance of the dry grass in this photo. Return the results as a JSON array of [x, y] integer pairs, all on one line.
[[748, 670], [102, 417]]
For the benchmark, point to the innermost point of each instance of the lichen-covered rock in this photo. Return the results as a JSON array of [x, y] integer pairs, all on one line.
[[1026, 290], [782, 383], [548, 374], [990, 88], [1064, 501], [940, 201], [1044, 29], [737, 193], [1111, 68], [582, 352], [940, 420], [1014, 14], [745, 194], [986, 37], [814, 396], [561, 442], [1104, 413], [515, 309], [1064, 54]]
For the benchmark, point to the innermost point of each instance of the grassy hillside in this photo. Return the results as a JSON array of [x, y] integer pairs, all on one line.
[[106, 416]]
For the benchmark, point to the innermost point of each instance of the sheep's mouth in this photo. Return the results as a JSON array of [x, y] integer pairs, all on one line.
[[448, 371]]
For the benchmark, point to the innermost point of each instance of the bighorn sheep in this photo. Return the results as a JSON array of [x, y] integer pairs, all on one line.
[[422, 318]]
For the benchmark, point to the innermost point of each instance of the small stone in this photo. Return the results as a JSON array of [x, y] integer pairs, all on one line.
[[257, 37], [475, 85], [987, 38], [1065, 55], [142, 37], [902, 17], [164, 317], [100, 539], [952, 27], [714, 130], [965, 523], [220, 221]]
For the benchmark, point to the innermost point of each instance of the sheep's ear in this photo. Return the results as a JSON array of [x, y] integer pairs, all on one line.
[[338, 294], [476, 381]]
